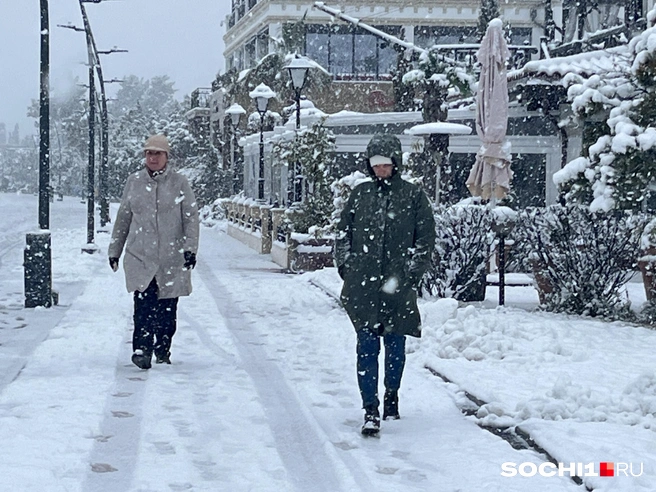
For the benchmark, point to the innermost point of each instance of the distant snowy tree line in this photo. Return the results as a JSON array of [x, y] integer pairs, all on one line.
[[140, 108]]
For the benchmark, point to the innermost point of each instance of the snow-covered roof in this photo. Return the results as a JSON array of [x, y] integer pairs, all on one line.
[[344, 118], [586, 64]]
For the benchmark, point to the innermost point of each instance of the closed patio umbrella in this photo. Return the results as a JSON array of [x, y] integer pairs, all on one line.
[[491, 175]]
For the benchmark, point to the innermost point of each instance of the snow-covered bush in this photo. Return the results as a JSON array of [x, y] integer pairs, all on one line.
[[342, 190], [215, 212], [462, 249], [585, 256], [648, 237]]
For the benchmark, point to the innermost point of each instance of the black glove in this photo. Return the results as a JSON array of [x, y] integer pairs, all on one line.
[[190, 260], [113, 263]]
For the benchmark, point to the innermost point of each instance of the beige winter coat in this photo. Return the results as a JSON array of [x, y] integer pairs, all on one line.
[[156, 222]]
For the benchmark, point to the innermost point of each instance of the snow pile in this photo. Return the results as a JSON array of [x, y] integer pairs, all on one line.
[[569, 399], [552, 366]]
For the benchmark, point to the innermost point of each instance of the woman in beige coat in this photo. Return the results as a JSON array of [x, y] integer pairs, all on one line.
[[157, 224]]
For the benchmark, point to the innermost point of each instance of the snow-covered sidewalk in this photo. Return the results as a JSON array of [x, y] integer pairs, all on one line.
[[262, 393]]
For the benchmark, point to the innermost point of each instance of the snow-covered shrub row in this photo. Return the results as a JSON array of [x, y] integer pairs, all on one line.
[[462, 249], [586, 257]]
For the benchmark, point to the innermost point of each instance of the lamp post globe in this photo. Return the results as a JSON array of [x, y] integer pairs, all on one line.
[[298, 69], [235, 112], [261, 95]]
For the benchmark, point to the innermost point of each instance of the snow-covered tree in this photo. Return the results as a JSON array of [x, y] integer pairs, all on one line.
[[19, 169], [312, 149], [489, 10], [618, 166], [436, 78], [69, 139]]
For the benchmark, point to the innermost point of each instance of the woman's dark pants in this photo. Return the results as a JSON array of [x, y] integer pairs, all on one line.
[[368, 349], [154, 322]]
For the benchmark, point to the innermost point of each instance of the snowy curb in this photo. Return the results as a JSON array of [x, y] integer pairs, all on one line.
[[515, 436]]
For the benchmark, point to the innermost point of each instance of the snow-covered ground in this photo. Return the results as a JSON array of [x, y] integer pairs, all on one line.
[[262, 392]]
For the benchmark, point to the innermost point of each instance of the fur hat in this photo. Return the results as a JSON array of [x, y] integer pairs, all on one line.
[[157, 143]]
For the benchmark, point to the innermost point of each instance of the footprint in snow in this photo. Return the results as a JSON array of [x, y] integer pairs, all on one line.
[[414, 476], [122, 415], [101, 438], [180, 486], [102, 468], [164, 447], [344, 445]]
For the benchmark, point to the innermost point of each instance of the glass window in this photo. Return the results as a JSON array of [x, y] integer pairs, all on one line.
[[249, 57], [341, 53], [238, 60], [529, 179], [348, 51], [521, 36], [387, 57], [262, 44], [316, 47], [365, 55], [427, 36], [387, 54]]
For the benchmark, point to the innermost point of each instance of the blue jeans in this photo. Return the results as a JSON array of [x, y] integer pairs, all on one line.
[[368, 349]]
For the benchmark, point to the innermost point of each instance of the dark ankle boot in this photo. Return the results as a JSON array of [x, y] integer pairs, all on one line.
[[141, 359], [391, 405], [371, 424]]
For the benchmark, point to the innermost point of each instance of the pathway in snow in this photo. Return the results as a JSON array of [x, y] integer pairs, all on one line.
[[22, 330], [298, 347], [261, 394]]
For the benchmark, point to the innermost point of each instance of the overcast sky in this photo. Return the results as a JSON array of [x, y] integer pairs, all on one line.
[[179, 38]]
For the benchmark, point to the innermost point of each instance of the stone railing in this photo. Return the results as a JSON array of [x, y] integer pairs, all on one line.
[[250, 223], [265, 230]]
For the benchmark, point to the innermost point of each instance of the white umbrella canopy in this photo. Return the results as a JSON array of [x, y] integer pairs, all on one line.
[[490, 176]]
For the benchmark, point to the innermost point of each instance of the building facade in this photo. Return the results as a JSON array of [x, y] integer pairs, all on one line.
[[361, 62], [352, 53]]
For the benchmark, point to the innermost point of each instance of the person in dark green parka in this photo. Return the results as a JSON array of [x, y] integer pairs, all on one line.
[[385, 238]]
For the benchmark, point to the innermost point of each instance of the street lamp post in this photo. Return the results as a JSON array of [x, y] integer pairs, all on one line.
[[37, 259], [44, 121], [89, 248], [298, 69], [91, 55], [235, 111], [104, 140], [261, 95], [94, 65]]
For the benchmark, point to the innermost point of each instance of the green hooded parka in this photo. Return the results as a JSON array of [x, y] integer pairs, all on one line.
[[386, 234]]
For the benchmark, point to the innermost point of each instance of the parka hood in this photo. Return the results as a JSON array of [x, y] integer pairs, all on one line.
[[387, 146]]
